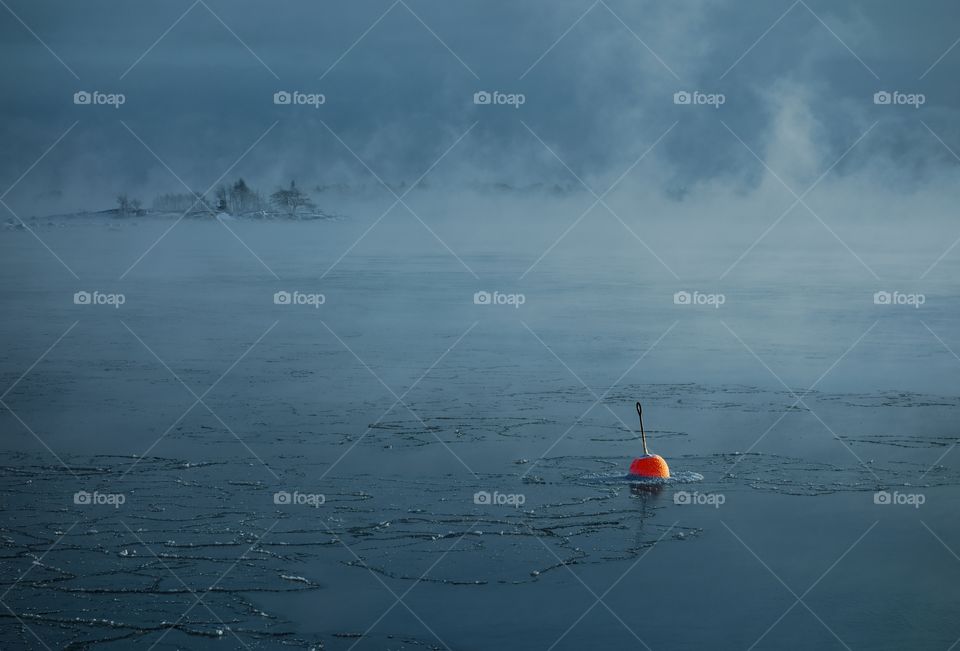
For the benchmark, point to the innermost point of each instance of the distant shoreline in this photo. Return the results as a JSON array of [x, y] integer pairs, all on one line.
[[114, 216]]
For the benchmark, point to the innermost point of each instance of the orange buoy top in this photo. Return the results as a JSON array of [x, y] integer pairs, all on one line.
[[650, 465]]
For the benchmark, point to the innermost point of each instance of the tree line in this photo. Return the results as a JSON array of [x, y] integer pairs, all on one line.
[[236, 198]]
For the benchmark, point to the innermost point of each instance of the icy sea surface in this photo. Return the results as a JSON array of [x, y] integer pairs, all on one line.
[[207, 466]]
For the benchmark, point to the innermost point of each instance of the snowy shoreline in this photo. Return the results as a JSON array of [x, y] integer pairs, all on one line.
[[113, 218]]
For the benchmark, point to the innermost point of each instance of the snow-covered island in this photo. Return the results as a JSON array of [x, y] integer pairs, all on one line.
[[226, 202]]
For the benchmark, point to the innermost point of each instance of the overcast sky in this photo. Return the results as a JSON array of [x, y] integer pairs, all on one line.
[[598, 80]]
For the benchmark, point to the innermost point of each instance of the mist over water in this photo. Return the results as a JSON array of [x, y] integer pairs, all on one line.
[[391, 405], [307, 411]]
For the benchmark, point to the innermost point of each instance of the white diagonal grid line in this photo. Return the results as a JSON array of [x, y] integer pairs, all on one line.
[[560, 38], [597, 200], [952, 553], [199, 400], [39, 239], [619, 20], [574, 374], [942, 342], [247, 247], [420, 20], [399, 399], [161, 37], [799, 200], [38, 360], [939, 59], [940, 540], [239, 40], [399, 599], [198, 197], [760, 38], [801, 399], [399, 199], [25, 626], [181, 582], [819, 20], [600, 199], [177, 22], [341, 180], [440, 40], [599, 399], [558, 159], [803, 395], [160, 160], [37, 561], [199, 598], [599, 599], [357, 41], [956, 241], [956, 442], [640, 40], [20, 420], [42, 156], [39, 440], [40, 40], [17, 182], [799, 599], [840, 40]]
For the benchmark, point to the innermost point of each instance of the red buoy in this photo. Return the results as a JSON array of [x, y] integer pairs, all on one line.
[[649, 465]]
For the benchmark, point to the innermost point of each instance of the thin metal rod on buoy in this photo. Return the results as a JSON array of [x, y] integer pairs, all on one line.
[[643, 436]]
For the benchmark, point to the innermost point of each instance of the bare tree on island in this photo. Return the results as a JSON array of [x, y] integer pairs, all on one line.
[[127, 206], [221, 196], [243, 199], [237, 198], [291, 199]]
